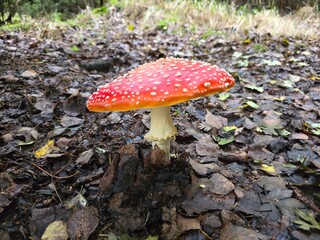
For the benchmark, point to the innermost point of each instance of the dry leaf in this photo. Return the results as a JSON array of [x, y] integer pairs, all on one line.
[[57, 230]]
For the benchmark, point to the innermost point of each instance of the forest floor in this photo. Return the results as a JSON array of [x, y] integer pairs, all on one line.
[[245, 164]]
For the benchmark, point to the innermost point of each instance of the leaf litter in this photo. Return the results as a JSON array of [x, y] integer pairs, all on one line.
[[246, 162]]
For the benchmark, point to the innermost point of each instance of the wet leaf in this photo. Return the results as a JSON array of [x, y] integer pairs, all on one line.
[[215, 121], [56, 131], [42, 217], [83, 222], [74, 105], [29, 134], [233, 232], [175, 224], [84, 157], [299, 136], [44, 106], [219, 184], [206, 147], [203, 169], [270, 183], [271, 119], [67, 121], [8, 190]]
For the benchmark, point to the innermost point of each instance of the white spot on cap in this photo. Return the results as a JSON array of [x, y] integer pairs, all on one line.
[[207, 84], [153, 93], [178, 74], [165, 76], [185, 90]]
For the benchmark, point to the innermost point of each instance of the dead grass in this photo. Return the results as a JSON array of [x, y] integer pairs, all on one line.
[[208, 15], [198, 17]]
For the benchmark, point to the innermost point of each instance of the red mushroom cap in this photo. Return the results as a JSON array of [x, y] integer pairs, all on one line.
[[165, 82]]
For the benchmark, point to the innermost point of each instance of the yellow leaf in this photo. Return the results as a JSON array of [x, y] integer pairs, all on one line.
[[56, 230], [268, 169], [314, 78], [46, 149], [131, 27]]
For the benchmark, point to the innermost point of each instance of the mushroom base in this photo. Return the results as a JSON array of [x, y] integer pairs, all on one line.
[[163, 145], [162, 129]]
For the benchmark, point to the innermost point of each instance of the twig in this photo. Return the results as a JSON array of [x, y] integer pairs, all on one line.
[[51, 175], [301, 196]]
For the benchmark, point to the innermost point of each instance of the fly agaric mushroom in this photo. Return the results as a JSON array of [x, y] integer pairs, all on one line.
[[158, 85]]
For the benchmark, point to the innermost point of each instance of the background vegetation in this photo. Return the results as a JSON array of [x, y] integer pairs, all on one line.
[[38, 8], [281, 17]]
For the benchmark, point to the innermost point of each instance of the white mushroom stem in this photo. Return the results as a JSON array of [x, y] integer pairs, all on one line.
[[162, 129]]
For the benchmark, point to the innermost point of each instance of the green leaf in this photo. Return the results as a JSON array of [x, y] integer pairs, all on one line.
[[74, 49], [260, 48], [283, 83], [271, 62], [315, 128], [315, 125], [289, 165], [23, 143], [255, 88], [316, 132], [223, 96], [243, 63], [284, 133], [100, 11], [236, 54], [102, 150], [225, 141], [270, 129], [251, 104], [307, 220]]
